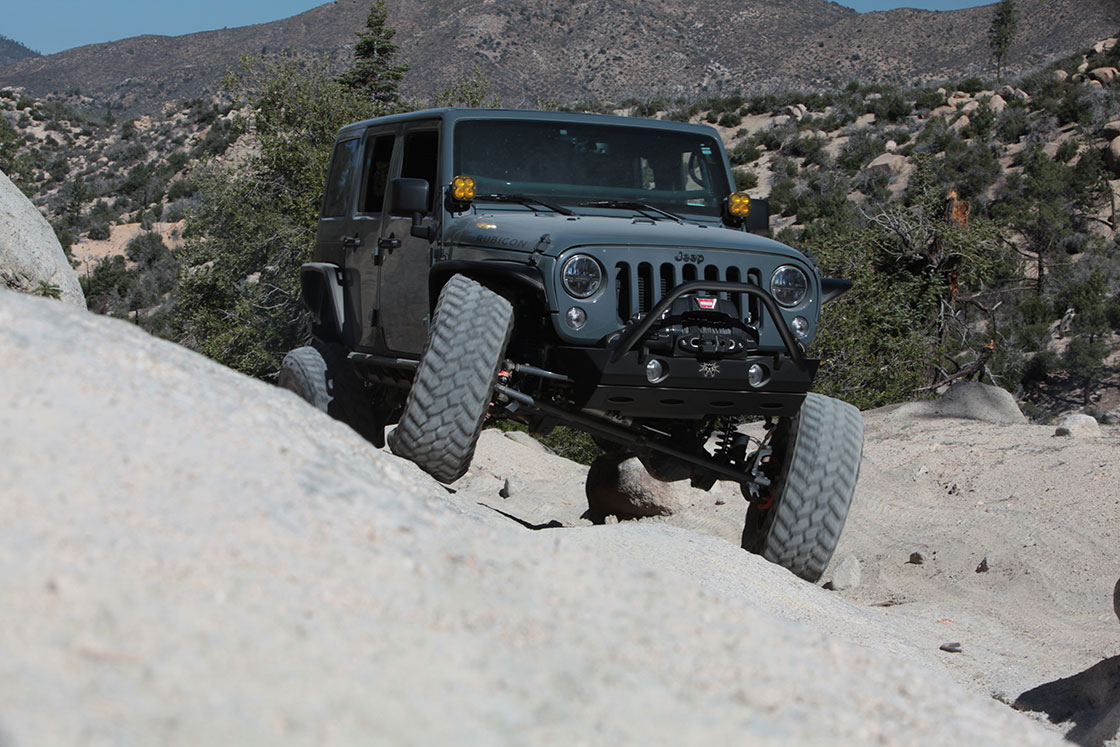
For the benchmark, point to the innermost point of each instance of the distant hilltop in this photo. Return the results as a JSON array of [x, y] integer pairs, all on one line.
[[586, 50]]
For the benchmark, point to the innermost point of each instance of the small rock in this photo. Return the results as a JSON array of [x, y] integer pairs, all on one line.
[[1060, 76], [847, 574], [916, 558], [983, 567], [953, 648], [1078, 425]]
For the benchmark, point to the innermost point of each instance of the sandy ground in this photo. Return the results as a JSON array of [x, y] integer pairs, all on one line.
[[1040, 512]]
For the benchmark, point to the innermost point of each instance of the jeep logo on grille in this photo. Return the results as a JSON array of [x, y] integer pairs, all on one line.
[[696, 259]]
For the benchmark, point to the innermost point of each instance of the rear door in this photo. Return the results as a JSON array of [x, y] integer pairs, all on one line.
[[362, 255]]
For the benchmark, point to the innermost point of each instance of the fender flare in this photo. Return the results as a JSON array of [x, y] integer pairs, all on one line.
[[321, 291], [494, 275]]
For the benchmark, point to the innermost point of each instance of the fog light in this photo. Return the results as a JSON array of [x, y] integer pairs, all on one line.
[[576, 317], [756, 374], [800, 327], [656, 371]]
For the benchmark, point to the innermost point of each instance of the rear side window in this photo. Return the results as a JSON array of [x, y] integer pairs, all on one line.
[[341, 179], [379, 154]]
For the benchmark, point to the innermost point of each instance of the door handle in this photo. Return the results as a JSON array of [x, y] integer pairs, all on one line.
[[389, 243], [351, 242]]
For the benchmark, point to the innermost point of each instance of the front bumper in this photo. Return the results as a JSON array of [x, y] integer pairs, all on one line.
[[691, 389], [613, 379]]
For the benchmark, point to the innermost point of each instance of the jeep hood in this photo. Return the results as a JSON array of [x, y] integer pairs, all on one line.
[[551, 234]]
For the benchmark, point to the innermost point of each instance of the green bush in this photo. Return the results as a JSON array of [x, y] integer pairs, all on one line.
[[1012, 124], [744, 153], [730, 119], [971, 86], [862, 147], [745, 179]]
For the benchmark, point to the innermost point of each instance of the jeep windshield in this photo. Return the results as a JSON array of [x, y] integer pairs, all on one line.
[[588, 166]]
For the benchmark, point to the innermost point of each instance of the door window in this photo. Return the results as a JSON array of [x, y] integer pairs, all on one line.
[[341, 179], [379, 152], [421, 157]]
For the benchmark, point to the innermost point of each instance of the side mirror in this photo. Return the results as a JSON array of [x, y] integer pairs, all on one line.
[[410, 197]]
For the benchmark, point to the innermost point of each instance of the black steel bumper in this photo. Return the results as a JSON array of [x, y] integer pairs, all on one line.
[[691, 388]]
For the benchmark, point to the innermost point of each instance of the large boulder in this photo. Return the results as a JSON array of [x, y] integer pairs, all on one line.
[[31, 259], [1112, 155], [190, 556], [891, 164], [968, 400], [622, 487], [1104, 75]]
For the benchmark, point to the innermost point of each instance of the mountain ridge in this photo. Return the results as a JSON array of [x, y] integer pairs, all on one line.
[[597, 50]]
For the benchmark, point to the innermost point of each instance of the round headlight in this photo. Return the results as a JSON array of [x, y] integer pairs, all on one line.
[[789, 285], [582, 276]]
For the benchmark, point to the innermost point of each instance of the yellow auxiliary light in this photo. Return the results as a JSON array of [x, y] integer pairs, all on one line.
[[462, 189], [739, 204]]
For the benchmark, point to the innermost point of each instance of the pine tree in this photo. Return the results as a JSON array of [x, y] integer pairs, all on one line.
[[1005, 24], [376, 70]]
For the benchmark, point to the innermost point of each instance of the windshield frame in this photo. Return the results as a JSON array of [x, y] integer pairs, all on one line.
[[564, 161]]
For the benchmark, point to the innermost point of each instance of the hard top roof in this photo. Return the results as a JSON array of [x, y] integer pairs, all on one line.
[[451, 115]]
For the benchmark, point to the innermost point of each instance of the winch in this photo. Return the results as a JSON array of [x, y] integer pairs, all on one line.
[[702, 327]]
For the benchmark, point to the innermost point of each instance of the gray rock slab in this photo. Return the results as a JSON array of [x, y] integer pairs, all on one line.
[[189, 556], [29, 251]]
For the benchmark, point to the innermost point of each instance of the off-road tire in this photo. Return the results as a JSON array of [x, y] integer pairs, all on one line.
[[819, 453], [319, 375], [454, 382]]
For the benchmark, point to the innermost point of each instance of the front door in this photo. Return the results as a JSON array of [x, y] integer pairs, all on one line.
[[406, 259]]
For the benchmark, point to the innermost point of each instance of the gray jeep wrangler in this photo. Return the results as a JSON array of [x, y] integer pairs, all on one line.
[[593, 271]]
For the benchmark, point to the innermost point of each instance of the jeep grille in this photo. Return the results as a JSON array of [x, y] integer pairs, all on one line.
[[638, 287]]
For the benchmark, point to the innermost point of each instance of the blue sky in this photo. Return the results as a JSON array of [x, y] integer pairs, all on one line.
[[50, 26]]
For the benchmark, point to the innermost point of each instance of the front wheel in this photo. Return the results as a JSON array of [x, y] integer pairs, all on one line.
[[455, 379], [816, 457]]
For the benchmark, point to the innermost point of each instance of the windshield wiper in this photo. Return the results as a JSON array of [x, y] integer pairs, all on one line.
[[632, 205], [526, 200]]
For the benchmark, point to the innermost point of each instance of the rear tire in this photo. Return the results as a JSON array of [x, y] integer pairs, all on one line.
[[455, 380], [819, 452], [319, 375]]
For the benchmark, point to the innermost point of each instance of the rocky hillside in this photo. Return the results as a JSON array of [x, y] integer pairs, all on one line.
[[238, 568], [11, 51], [583, 50]]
